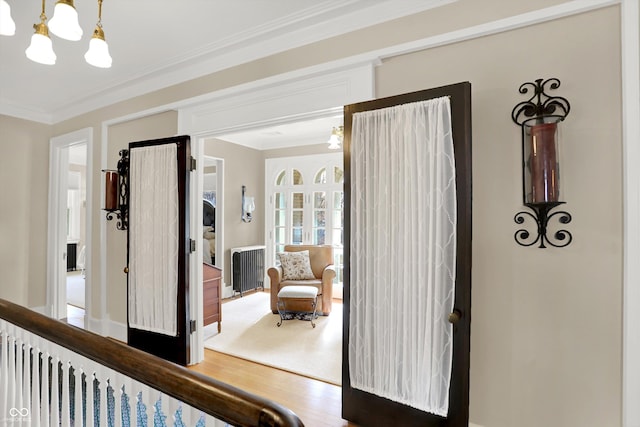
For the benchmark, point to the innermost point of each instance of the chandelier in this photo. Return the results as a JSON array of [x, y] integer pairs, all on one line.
[[337, 134], [64, 24]]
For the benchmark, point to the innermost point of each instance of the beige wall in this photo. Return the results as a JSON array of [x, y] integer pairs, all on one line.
[[242, 166], [546, 323], [24, 150], [120, 135]]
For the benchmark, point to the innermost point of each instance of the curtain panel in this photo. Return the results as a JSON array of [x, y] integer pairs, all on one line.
[[403, 253], [153, 238]]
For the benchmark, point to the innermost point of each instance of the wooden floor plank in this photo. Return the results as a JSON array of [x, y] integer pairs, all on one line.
[[318, 404]]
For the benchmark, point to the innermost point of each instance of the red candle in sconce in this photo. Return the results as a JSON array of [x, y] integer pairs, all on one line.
[[543, 163], [111, 191]]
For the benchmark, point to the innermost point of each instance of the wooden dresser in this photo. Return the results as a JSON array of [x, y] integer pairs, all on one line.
[[212, 289]]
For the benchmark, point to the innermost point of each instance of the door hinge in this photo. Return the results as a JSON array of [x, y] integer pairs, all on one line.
[[193, 164], [192, 326], [192, 245]]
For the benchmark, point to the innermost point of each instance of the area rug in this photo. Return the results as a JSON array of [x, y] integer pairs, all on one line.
[[249, 331]]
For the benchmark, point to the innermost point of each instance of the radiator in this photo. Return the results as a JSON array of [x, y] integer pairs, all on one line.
[[247, 268]]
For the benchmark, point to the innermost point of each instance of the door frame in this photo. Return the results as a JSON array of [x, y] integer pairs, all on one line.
[[56, 258], [286, 98]]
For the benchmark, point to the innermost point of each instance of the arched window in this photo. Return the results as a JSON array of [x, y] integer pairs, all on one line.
[[338, 175], [297, 177], [321, 176]]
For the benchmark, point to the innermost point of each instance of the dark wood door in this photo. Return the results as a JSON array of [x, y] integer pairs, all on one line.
[[368, 409], [172, 348]]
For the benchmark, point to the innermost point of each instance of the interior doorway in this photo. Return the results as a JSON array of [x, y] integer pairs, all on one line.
[[75, 238], [321, 166], [69, 227]]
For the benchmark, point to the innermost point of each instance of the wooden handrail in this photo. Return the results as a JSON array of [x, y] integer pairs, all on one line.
[[221, 400]]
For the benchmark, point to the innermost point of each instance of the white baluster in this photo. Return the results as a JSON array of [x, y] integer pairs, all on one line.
[[26, 378], [116, 382], [35, 387], [19, 374], [171, 405], [64, 416], [91, 403], [186, 414], [214, 422], [44, 407], [55, 383], [4, 370], [11, 390]]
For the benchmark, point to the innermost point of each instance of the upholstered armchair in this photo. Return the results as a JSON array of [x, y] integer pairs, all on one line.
[[321, 260]]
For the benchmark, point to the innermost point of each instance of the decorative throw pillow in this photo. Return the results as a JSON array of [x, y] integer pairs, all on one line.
[[296, 265]]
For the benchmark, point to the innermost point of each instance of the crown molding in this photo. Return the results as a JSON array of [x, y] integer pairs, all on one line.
[[294, 31], [24, 113]]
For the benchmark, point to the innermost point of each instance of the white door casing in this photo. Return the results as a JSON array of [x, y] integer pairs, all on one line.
[[57, 221]]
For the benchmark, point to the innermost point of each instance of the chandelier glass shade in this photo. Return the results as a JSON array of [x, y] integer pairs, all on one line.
[[64, 23], [98, 53], [41, 49], [336, 138], [7, 26]]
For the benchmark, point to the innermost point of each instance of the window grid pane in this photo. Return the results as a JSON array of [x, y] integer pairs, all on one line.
[[298, 200], [321, 176]]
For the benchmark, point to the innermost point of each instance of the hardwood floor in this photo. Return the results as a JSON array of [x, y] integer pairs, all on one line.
[[75, 316], [318, 404]]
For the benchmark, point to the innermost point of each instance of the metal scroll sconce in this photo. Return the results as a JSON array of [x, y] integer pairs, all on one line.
[[248, 206], [540, 117], [116, 201]]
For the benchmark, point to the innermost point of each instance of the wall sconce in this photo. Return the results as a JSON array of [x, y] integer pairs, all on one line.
[[540, 117], [337, 134], [116, 200], [248, 206]]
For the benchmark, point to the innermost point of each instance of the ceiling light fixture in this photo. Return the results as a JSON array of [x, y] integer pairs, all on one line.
[[64, 23], [7, 25], [337, 134], [98, 53], [41, 50]]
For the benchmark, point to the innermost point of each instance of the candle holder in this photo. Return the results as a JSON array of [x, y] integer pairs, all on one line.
[[116, 202], [539, 118]]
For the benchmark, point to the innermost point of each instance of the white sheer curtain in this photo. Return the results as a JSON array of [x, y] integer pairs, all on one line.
[[153, 238], [403, 253]]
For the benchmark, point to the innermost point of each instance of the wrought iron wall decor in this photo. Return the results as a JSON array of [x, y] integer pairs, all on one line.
[[539, 118], [116, 201]]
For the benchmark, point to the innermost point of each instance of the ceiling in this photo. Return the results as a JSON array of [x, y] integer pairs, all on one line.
[[158, 43]]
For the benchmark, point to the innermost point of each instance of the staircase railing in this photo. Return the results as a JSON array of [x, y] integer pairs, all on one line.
[[53, 374]]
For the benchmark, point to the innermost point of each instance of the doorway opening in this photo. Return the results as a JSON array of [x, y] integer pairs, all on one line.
[[76, 234], [69, 227], [278, 142]]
